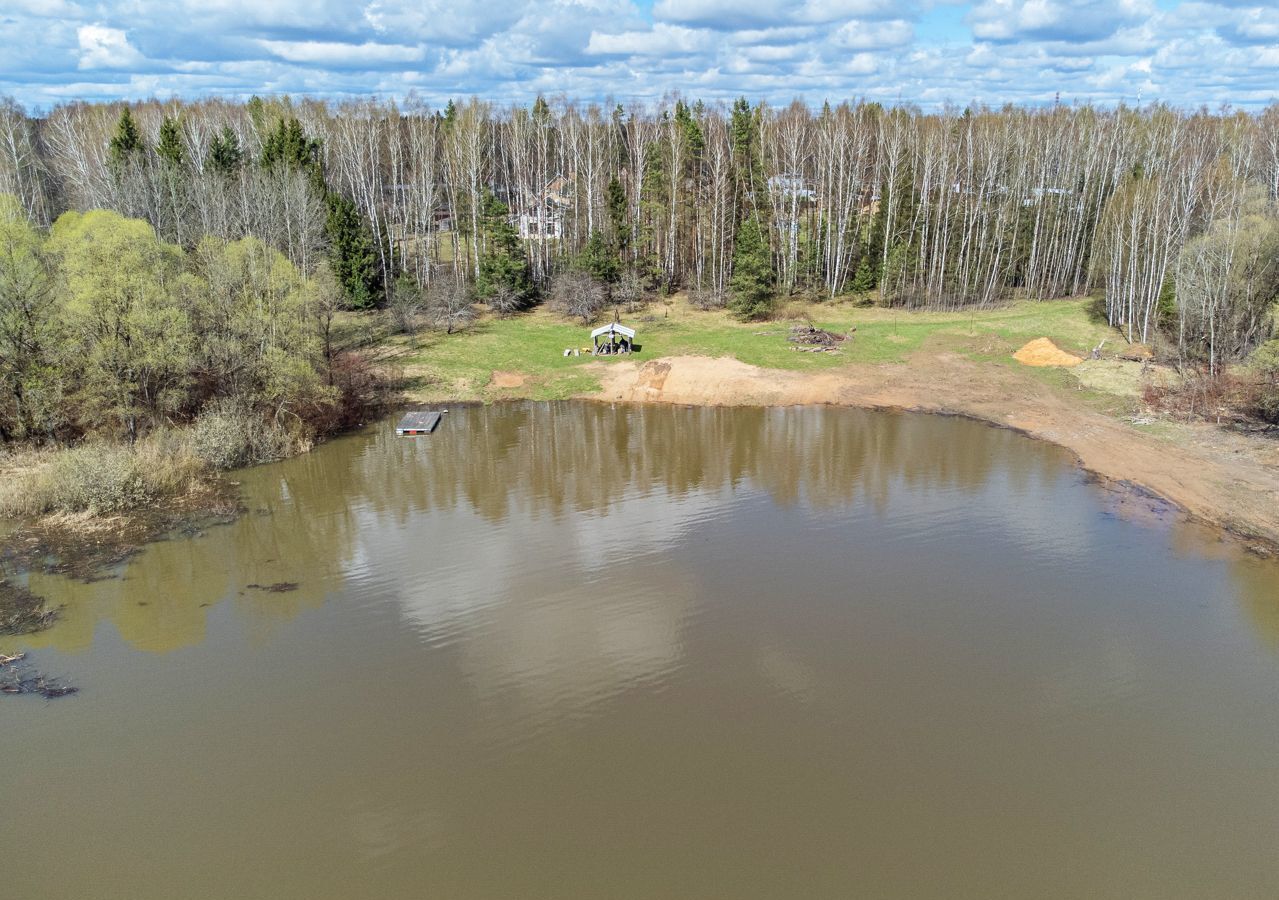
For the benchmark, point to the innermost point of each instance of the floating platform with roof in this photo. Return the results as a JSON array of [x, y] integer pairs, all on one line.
[[418, 423], [617, 338]]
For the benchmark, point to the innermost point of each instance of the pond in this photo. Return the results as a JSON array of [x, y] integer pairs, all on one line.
[[581, 651]]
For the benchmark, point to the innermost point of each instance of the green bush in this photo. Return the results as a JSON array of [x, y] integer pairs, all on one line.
[[229, 435], [97, 479], [1265, 363]]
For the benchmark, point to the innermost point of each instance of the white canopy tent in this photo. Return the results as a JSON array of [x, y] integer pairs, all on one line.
[[617, 338]]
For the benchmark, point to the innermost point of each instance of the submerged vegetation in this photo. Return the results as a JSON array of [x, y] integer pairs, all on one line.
[[22, 612]]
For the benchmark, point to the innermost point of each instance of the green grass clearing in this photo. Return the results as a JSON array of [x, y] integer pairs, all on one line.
[[461, 366]]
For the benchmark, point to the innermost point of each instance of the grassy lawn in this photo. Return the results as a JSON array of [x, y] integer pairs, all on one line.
[[461, 366]]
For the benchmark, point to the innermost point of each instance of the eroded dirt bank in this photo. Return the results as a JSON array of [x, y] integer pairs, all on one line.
[[1228, 480]]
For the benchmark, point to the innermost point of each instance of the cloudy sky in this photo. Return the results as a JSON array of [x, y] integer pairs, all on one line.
[[927, 52]]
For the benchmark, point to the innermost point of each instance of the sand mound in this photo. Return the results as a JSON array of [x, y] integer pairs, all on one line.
[[1043, 352]]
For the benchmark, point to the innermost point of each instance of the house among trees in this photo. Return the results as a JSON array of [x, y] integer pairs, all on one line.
[[541, 215], [792, 186], [1038, 194]]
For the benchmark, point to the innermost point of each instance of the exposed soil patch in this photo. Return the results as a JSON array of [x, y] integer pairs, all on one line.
[[652, 376], [507, 379]]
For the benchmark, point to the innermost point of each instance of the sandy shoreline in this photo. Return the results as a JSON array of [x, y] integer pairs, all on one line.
[[1225, 479]]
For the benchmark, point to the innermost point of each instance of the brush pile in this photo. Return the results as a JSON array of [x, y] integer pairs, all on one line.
[[815, 340]]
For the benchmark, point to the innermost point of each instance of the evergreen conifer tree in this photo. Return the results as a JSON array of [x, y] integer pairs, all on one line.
[[127, 141], [352, 254], [599, 260], [618, 217], [503, 266], [864, 278], [752, 281], [225, 155], [744, 125], [288, 146], [169, 148]]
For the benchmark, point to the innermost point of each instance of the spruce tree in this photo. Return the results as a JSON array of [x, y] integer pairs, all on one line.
[[352, 254], [599, 260], [618, 214], [864, 278], [752, 281], [225, 156], [690, 132], [288, 146], [170, 147], [503, 266], [127, 141]]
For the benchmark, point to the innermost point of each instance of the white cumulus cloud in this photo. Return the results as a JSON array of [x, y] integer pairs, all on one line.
[[1067, 20], [333, 53], [929, 52], [106, 48]]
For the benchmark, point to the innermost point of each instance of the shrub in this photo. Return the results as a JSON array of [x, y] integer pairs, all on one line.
[[578, 294], [99, 478], [228, 435], [505, 301], [406, 304], [630, 292], [361, 390], [1264, 363], [707, 299], [1238, 395], [1266, 405], [449, 306]]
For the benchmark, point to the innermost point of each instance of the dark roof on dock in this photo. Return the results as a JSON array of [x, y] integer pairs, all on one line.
[[418, 423]]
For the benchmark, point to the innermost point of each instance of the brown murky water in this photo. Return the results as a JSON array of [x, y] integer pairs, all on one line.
[[574, 651]]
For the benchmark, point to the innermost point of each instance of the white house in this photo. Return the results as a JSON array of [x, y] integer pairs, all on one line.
[[792, 186], [541, 216]]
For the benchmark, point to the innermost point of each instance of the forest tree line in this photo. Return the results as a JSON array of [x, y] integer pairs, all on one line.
[[1173, 216]]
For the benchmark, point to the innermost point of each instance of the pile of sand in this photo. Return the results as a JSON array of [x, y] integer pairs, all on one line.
[[1043, 352]]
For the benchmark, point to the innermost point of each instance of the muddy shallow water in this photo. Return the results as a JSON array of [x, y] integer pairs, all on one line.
[[573, 650]]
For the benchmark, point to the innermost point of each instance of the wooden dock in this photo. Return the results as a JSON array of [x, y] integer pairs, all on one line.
[[418, 423]]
